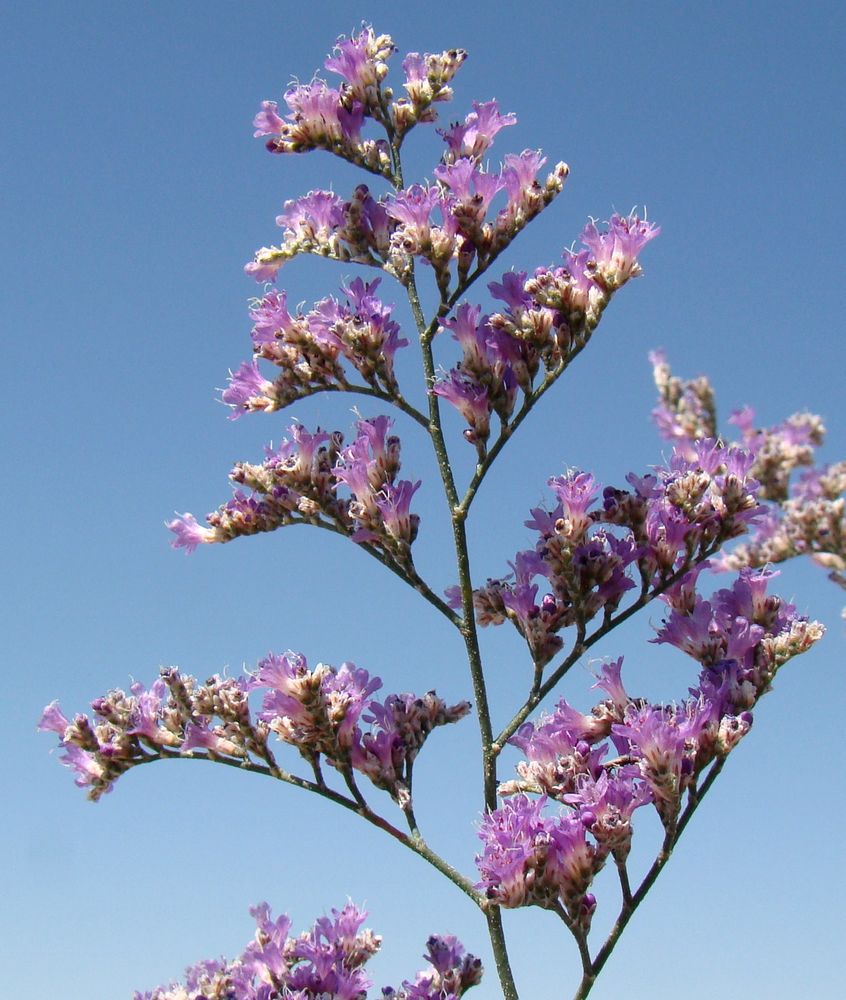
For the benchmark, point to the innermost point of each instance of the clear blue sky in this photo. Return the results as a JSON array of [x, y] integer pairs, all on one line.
[[133, 194]]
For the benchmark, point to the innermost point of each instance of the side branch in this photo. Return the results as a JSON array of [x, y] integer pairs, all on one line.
[[414, 843], [583, 644], [629, 907]]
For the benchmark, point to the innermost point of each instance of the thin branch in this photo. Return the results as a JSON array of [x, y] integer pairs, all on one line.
[[414, 843], [507, 432], [408, 574], [628, 909], [582, 645]]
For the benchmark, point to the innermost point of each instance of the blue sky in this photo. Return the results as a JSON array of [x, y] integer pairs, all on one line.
[[133, 194]]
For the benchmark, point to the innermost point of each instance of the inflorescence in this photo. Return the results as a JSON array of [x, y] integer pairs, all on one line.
[[583, 776]]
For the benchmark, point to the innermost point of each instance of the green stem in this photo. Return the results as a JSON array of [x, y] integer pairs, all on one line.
[[414, 843], [408, 575], [507, 432], [583, 644], [628, 908]]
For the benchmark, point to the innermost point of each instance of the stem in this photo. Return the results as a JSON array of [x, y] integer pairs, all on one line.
[[408, 575], [582, 645], [500, 953], [414, 843], [507, 432], [395, 398], [468, 624], [628, 908]]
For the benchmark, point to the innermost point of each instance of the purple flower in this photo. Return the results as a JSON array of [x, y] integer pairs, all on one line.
[[413, 207], [576, 492], [615, 250], [248, 390], [471, 401], [189, 534], [475, 135], [267, 121], [530, 859], [270, 317], [314, 216], [394, 503], [53, 720], [88, 769]]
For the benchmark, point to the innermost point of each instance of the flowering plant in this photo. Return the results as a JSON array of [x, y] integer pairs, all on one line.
[[600, 554]]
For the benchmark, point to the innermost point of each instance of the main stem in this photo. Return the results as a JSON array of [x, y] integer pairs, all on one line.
[[468, 624]]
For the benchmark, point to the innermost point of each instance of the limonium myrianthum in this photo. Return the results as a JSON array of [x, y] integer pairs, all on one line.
[[805, 512], [599, 556], [326, 962]]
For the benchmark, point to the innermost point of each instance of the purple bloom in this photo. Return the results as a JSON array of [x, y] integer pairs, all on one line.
[[615, 250], [512, 290], [471, 401], [475, 135], [89, 771], [530, 859], [576, 491], [271, 317], [520, 174], [53, 720], [413, 207], [248, 390], [267, 121], [315, 215], [394, 503], [189, 534]]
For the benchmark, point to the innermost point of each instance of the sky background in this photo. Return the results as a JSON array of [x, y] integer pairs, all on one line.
[[133, 194]]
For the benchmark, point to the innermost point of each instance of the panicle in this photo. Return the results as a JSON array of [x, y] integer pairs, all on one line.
[[309, 349], [588, 556], [325, 713], [300, 482], [326, 961]]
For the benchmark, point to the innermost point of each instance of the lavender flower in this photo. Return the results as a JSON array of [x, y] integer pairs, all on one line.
[[530, 859]]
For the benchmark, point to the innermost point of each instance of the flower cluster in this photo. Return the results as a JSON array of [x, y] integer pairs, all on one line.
[[447, 222], [547, 319], [669, 522], [805, 514], [451, 972], [326, 962], [309, 349], [531, 857], [325, 713], [298, 482], [331, 118]]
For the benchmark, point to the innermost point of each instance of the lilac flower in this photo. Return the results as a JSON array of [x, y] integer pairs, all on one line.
[[576, 492], [663, 743], [394, 502], [362, 61], [475, 135], [615, 250], [529, 859], [267, 121], [413, 208], [248, 390], [520, 175], [189, 534], [427, 79], [88, 769], [450, 974], [314, 217], [606, 804], [270, 317], [53, 720], [470, 399]]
